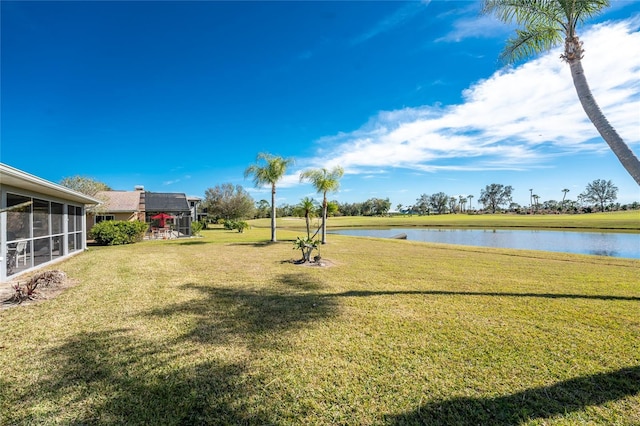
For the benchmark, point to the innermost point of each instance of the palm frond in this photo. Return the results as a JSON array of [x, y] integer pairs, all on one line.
[[525, 12], [528, 43]]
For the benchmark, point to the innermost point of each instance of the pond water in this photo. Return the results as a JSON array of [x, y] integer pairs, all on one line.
[[595, 243]]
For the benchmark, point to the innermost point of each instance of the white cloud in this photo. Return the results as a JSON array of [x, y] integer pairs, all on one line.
[[516, 119], [476, 27], [392, 21]]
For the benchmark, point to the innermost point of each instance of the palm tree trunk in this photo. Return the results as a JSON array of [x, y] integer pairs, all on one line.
[[618, 146], [273, 213], [324, 219]]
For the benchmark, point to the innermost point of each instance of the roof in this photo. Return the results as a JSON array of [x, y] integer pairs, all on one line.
[[166, 202], [119, 201], [14, 177]]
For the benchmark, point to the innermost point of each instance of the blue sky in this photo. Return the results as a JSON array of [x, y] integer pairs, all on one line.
[[408, 97]]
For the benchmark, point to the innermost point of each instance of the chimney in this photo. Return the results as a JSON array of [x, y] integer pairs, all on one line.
[[142, 205]]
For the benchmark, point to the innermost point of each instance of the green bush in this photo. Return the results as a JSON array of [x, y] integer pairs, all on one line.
[[196, 227], [240, 225], [118, 232]]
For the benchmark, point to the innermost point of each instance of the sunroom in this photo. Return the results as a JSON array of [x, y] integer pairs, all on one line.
[[40, 222]]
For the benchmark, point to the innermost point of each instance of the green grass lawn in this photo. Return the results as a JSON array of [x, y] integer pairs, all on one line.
[[618, 221], [226, 330]]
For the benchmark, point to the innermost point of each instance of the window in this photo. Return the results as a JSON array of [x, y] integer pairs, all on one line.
[[40, 218], [56, 218], [18, 225], [74, 221], [36, 232], [41, 250], [71, 223], [104, 217]]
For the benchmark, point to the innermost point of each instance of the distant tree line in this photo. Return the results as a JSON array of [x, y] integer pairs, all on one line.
[[232, 202]]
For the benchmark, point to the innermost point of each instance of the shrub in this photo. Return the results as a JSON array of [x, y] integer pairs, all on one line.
[[240, 225], [118, 232], [44, 279], [307, 246], [196, 227]]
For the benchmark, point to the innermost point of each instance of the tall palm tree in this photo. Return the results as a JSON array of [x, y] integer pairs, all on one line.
[[470, 197], [563, 197], [268, 170], [324, 181], [463, 201], [544, 25], [531, 199]]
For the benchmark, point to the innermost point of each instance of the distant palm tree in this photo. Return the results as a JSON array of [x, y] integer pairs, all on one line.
[[469, 197], [268, 170], [531, 199], [536, 198], [463, 201], [563, 197], [324, 181], [545, 24]]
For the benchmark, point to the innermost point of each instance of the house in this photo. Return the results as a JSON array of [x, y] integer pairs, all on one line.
[[144, 206], [197, 214], [117, 205], [174, 204], [40, 222]]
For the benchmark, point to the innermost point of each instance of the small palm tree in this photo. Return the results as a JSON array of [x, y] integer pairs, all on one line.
[[268, 170], [324, 181], [544, 25], [306, 208]]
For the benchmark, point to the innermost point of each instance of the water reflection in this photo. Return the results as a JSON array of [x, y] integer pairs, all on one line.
[[595, 243]]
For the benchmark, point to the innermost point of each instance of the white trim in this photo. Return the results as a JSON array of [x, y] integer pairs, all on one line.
[[17, 178]]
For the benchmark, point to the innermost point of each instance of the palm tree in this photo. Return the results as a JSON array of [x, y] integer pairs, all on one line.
[[531, 199], [306, 208], [324, 181], [463, 201], [563, 197], [470, 197], [536, 198], [268, 170], [545, 24]]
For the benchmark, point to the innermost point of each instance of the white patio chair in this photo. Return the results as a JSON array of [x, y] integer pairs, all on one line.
[[21, 252]]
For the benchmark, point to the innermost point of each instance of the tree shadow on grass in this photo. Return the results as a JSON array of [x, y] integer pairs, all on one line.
[[254, 243], [113, 377], [194, 243], [121, 377], [366, 293], [265, 243], [538, 403], [226, 314]]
